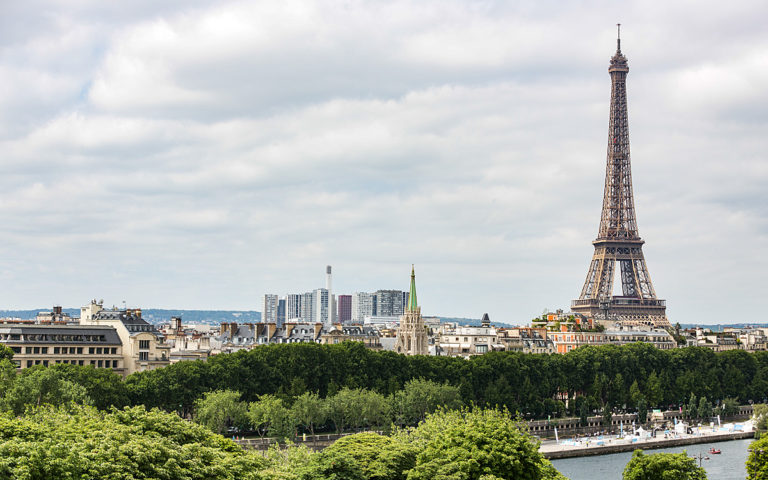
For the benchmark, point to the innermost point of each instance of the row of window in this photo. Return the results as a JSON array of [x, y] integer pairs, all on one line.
[[95, 363], [46, 337], [66, 350]]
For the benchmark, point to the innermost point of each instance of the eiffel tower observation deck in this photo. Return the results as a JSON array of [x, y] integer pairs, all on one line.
[[618, 241]]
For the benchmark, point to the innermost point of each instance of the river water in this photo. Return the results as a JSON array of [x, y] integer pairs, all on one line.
[[727, 466]]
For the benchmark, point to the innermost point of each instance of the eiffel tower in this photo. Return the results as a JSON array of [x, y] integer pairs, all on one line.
[[618, 240]]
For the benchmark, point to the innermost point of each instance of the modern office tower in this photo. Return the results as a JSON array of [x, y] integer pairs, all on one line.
[[389, 303], [293, 306], [618, 246], [322, 307], [412, 334], [269, 308], [280, 312], [405, 300], [344, 307], [362, 306]]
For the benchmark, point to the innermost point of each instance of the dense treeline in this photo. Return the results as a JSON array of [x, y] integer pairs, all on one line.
[[528, 383], [534, 385]]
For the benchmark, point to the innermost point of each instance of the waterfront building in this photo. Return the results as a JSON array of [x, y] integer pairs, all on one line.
[[46, 345], [143, 345], [269, 308], [412, 334], [618, 246]]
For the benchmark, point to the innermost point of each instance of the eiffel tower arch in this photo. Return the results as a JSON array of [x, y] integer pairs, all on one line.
[[618, 241]]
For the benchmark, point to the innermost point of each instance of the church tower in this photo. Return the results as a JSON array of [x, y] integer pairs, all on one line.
[[412, 334]]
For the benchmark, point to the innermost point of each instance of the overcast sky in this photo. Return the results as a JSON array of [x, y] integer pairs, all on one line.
[[195, 154]]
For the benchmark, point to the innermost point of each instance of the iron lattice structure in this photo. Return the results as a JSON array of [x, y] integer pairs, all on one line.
[[618, 241]]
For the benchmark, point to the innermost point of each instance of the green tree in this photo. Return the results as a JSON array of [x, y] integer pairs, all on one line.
[[760, 416], [634, 393], [607, 417], [104, 387], [269, 416], [5, 353], [38, 386], [704, 410], [692, 408], [729, 407], [308, 411], [420, 397], [654, 393], [380, 457], [82, 442], [467, 445], [220, 410], [642, 411], [584, 414], [757, 461], [663, 466]]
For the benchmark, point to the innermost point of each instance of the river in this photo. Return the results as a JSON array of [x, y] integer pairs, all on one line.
[[727, 466]]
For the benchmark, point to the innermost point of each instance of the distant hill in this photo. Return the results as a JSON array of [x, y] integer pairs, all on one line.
[[158, 315]]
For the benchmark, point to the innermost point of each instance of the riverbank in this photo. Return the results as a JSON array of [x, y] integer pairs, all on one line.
[[608, 445]]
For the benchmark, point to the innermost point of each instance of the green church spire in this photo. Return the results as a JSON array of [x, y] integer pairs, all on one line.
[[412, 304]]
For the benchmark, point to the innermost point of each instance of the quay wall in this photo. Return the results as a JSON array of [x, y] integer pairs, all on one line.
[[631, 447]]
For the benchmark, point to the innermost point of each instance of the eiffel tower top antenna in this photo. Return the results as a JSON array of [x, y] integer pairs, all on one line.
[[618, 37]]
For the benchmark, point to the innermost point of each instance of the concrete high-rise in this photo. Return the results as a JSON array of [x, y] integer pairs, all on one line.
[[269, 308], [293, 308], [322, 307]]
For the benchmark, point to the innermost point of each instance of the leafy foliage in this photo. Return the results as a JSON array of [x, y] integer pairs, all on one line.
[[470, 444], [757, 462], [220, 410], [663, 466], [132, 443]]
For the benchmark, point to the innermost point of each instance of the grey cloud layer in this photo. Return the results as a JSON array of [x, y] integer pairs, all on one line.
[[199, 155]]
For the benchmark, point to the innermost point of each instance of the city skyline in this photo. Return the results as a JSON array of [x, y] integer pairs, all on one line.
[[200, 154]]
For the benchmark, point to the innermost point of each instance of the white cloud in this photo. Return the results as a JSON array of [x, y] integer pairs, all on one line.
[[198, 155]]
